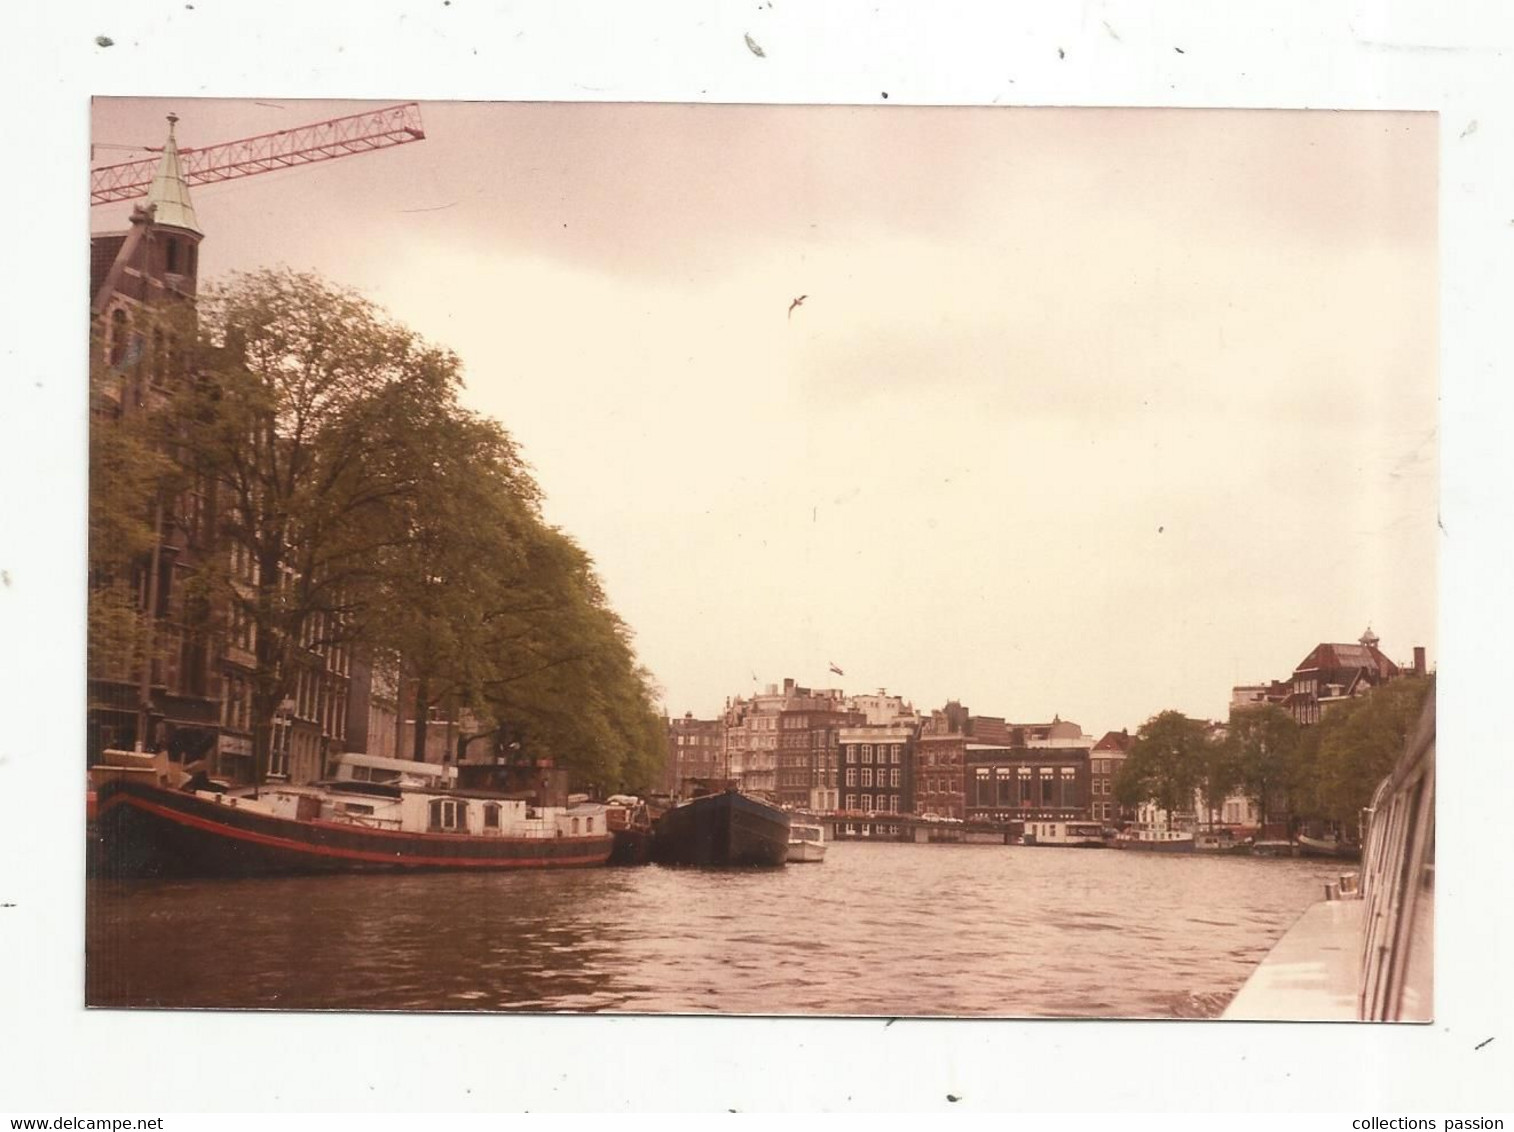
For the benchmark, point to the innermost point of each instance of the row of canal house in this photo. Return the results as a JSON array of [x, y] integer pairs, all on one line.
[[827, 752], [981, 768]]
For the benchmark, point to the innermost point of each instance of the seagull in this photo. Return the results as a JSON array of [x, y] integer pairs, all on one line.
[[796, 303]]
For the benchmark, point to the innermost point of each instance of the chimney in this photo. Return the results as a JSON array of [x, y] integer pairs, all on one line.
[[1419, 660]]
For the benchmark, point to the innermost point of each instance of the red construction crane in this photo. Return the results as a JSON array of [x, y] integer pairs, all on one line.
[[303, 145]]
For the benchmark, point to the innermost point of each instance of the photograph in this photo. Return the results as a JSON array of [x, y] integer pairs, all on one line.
[[673, 558]]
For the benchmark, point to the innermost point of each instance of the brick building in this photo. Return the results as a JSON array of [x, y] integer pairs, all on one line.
[[193, 696], [1020, 783], [696, 749], [809, 750], [1105, 760], [143, 284], [941, 757], [877, 769], [939, 782], [1335, 672]]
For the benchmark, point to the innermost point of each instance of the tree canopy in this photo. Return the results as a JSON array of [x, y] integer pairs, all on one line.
[[1166, 763], [1263, 743], [1326, 772], [359, 504], [1354, 746]]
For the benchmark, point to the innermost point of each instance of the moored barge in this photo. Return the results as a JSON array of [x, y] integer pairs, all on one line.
[[722, 829], [336, 827]]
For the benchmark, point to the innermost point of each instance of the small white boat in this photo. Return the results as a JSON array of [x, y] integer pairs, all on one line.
[[1155, 839], [1079, 834], [806, 843]]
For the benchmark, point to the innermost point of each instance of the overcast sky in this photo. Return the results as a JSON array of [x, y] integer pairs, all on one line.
[[1086, 412]]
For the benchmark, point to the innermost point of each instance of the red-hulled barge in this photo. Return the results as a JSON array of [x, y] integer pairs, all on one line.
[[336, 827]]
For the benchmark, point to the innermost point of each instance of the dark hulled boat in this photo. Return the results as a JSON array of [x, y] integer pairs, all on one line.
[[147, 830], [630, 823], [722, 829]]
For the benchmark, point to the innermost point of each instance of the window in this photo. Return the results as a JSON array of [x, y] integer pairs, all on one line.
[[893, 753], [867, 776], [893, 804], [118, 333], [867, 752], [867, 803], [851, 753], [491, 816], [851, 803], [449, 815], [893, 777]]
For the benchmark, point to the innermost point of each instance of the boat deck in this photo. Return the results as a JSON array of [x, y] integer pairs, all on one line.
[[1314, 972]]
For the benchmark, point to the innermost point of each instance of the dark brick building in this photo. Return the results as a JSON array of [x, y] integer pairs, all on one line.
[[696, 749], [939, 782], [877, 769], [1335, 672], [143, 284], [1019, 783], [1104, 762], [809, 751]]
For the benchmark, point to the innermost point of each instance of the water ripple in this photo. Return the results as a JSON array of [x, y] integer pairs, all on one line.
[[878, 930]]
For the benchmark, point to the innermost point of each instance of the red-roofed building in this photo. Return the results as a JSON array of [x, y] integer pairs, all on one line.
[[1104, 762], [1335, 672]]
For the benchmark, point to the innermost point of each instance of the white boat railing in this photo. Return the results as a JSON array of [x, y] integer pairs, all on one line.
[[1398, 881]]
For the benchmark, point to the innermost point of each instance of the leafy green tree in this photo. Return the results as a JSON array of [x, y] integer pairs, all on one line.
[[358, 504], [1357, 745], [565, 683], [1166, 763], [456, 553], [1219, 774], [1263, 742], [300, 415]]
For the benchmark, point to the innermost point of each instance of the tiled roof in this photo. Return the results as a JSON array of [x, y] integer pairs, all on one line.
[[1338, 657]]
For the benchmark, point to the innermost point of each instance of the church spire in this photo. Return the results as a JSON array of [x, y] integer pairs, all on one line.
[[170, 192]]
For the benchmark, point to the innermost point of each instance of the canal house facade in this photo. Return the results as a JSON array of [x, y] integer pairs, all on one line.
[[695, 751], [1026, 784], [939, 762], [877, 769]]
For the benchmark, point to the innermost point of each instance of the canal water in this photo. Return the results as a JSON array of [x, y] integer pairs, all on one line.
[[875, 929]]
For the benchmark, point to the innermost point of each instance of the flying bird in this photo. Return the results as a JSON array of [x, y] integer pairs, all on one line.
[[836, 670], [799, 302]]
